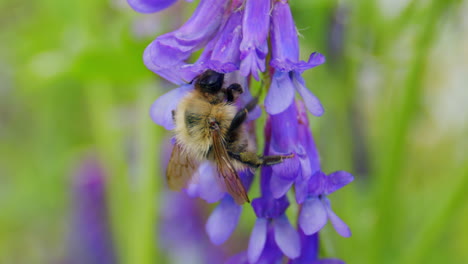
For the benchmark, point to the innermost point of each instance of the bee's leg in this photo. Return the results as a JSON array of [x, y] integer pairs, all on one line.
[[233, 91], [242, 115], [253, 160]]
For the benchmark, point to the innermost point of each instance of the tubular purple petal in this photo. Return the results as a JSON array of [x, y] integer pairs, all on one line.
[[167, 53], [284, 41], [257, 240], [223, 220], [161, 109], [313, 216], [150, 6], [225, 56], [286, 237], [318, 183], [253, 48]]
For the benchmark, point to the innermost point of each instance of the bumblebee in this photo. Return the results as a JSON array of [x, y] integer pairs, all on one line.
[[208, 126]]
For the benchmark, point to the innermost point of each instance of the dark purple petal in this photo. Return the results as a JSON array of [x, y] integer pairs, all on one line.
[[267, 207], [150, 6], [161, 109], [309, 249], [223, 220], [311, 102], [225, 56], [313, 216], [279, 186], [257, 240], [318, 183], [284, 41], [286, 237], [340, 226], [338, 180], [281, 93], [167, 53]]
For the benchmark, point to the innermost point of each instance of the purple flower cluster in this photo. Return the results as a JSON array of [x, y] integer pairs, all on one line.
[[243, 38]]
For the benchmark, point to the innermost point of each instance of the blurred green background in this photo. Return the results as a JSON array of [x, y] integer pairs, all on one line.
[[72, 82]]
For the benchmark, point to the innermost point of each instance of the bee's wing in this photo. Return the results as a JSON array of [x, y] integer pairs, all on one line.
[[180, 169], [232, 181]]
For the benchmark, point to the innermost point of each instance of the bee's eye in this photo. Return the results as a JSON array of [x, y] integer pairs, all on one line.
[[211, 81]]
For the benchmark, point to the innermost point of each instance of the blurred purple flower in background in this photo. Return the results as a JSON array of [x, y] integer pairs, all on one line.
[[182, 233], [90, 239]]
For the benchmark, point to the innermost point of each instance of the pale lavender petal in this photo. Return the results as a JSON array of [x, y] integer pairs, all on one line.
[[150, 6], [311, 102], [257, 240], [281, 93], [338, 180], [313, 216], [161, 109], [210, 189], [340, 226], [286, 237], [279, 186], [223, 220]]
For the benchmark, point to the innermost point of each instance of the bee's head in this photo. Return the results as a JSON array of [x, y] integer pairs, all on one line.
[[210, 82]]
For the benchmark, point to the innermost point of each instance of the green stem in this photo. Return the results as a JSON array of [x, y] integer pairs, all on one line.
[[111, 153], [142, 246]]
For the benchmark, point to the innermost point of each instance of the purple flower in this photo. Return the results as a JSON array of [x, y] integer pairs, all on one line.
[[254, 46], [272, 233], [316, 209], [91, 240], [150, 6], [292, 135], [225, 217], [285, 59], [181, 232], [166, 55]]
